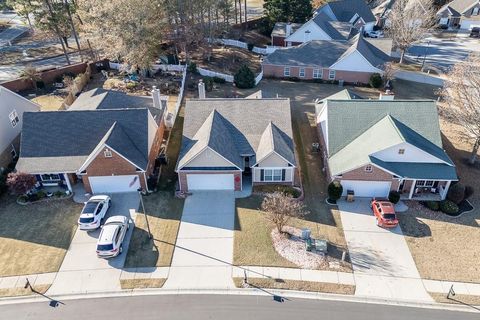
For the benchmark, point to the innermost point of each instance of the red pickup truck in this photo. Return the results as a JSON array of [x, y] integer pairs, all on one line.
[[384, 212]]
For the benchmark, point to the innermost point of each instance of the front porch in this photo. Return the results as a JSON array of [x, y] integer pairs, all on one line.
[[423, 190], [55, 181]]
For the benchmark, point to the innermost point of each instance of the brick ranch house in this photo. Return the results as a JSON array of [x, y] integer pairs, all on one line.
[[12, 107], [229, 142], [352, 61], [107, 140], [335, 20], [375, 146]]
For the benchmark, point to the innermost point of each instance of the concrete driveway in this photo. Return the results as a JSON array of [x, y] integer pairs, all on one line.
[[443, 53], [382, 263], [204, 250], [82, 271]]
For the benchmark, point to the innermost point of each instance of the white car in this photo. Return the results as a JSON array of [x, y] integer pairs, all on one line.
[[93, 212], [374, 34], [110, 241]]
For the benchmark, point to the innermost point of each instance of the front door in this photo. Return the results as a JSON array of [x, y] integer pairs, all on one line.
[[246, 161]]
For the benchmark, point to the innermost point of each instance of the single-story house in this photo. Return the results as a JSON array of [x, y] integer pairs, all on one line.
[[12, 107], [463, 14], [375, 146], [228, 142], [335, 20], [352, 61], [109, 147]]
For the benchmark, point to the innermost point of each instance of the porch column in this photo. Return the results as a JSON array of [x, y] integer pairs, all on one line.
[[412, 188], [445, 190], [67, 180]]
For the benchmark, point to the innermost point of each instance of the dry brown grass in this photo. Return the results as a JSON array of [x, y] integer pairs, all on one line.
[[444, 247], [460, 299], [297, 285], [142, 283], [17, 292], [49, 102], [35, 238]]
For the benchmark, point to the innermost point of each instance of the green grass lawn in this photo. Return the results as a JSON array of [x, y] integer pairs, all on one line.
[[164, 213], [35, 238]]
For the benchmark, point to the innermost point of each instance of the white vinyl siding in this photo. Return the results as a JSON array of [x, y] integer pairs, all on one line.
[[286, 71], [317, 73]]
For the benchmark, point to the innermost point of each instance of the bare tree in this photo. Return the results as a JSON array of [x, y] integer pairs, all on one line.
[[280, 208], [461, 93], [389, 70], [408, 22], [31, 74]]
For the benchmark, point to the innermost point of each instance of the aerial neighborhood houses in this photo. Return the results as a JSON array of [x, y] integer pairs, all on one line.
[[12, 108], [230, 143], [463, 14], [330, 46], [376, 146], [106, 141]]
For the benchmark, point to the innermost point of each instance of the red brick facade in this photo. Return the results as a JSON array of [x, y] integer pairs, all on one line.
[[277, 71], [182, 178]]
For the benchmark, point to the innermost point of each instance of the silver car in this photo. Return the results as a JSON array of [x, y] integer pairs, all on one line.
[[110, 241]]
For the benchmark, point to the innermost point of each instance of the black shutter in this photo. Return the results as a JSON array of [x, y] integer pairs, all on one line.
[[262, 175], [283, 174]]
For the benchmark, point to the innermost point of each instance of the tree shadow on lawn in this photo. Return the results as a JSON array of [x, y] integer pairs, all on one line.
[[50, 223]]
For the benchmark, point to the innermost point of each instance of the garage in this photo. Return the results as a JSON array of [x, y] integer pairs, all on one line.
[[210, 182], [469, 24], [114, 183], [367, 188]]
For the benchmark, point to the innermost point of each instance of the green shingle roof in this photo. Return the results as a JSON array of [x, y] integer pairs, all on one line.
[[416, 170]]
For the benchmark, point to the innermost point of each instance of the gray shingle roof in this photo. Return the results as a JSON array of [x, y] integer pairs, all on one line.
[[61, 136], [274, 140], [344, 10], [321, 53], [376, 56], [337, 30], [99, 98], [233, 127], [457, 7]]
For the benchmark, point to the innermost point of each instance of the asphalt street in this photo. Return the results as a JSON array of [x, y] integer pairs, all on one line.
[[230, 307]]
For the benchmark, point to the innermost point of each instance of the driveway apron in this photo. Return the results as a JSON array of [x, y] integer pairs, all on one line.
[[204, 250], [382, 263], [82, 271]]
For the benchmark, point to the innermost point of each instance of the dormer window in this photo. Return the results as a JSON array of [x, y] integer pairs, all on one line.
[[368, 169], [107, 153], [401, 151]]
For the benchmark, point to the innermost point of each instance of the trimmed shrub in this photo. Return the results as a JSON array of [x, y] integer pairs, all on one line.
[[469, 191], [394, 196], [244, 78], [456, 193], [375, 80], [448, 207], [432, 205], [218, 80], [335, 190], [250, 46], [41, 194], [208, 83], [192, 67], [59, 194]]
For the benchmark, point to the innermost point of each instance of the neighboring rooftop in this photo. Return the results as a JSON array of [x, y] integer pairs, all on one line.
[[279, 30], [344, 10], [337, 30], [61, 141], [235, 127], [99, 98], [458, 7]]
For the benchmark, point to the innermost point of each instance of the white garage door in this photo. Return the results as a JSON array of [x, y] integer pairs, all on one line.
[[210, 182], [469, 24], [114, 183], [367, 188]]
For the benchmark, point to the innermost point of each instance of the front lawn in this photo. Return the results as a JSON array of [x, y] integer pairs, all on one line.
[[444, 247], [164, 213], [35, 238]]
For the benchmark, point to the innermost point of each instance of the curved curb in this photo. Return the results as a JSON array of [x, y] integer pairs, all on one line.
[[52, 198], [240, 292]]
